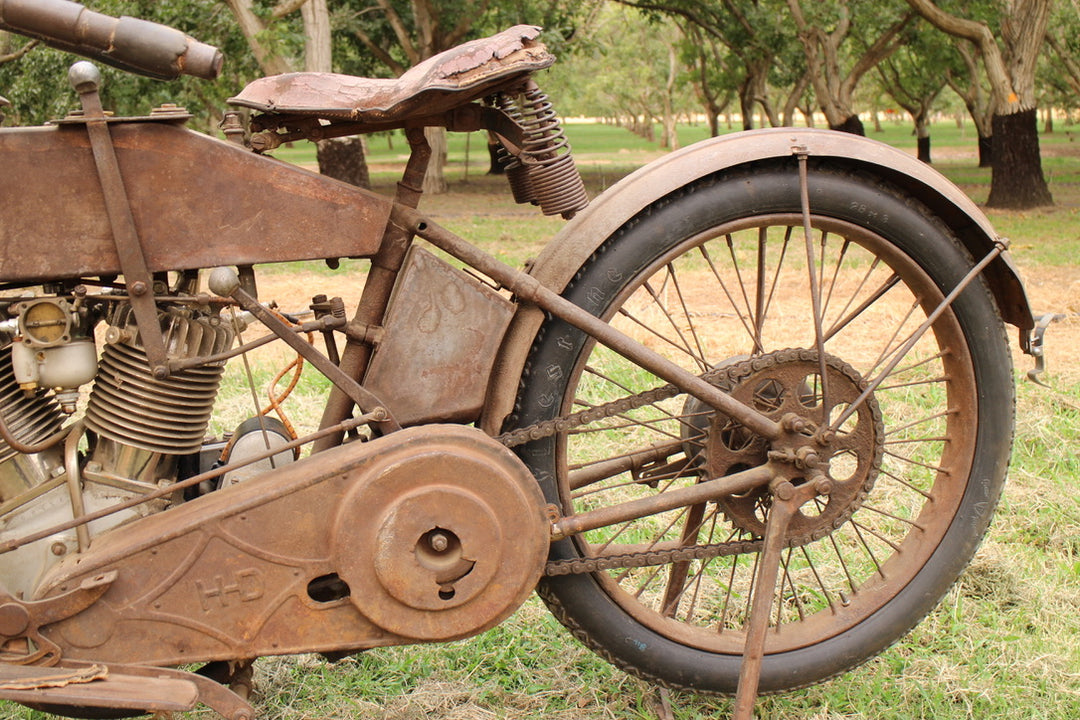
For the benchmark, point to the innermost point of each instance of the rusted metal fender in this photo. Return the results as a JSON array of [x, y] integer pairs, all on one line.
[[576, 242]]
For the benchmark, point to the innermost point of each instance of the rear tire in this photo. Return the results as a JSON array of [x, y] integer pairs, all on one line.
[[715, 277]]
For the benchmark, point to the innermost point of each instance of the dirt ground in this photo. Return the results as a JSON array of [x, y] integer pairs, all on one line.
[[1051, 289]]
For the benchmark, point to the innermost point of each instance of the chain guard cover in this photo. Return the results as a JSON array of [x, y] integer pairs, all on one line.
[[445, 542], [432, 532]]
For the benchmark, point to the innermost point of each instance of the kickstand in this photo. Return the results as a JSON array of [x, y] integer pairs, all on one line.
[[787, 499]]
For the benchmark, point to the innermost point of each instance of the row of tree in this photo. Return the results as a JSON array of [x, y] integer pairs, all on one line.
[[649, 60], [775, 58]]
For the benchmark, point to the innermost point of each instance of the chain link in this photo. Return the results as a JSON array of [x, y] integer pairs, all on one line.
[[721, 377], [648, 559]]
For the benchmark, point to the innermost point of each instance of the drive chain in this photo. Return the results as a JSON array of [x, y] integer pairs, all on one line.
[[565, 423], [648, 559]]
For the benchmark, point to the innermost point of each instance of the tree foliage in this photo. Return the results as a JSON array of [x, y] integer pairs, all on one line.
[[913, 79], [37, 86]]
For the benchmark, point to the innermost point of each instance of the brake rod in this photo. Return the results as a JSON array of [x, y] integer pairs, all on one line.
[[631, 462], [733, 484]]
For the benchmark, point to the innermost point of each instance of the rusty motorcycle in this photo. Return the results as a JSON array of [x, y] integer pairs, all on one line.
[[741, 424]]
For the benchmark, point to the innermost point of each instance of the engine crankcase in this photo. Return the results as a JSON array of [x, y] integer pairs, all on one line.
[[431, 533]]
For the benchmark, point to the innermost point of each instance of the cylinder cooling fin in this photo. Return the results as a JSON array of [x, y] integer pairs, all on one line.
[[29, 417], [167, 416]]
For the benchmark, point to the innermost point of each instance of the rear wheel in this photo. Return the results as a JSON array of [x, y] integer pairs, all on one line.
[[716, 278]]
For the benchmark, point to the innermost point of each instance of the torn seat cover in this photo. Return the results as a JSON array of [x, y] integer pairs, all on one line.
[[440, 83]]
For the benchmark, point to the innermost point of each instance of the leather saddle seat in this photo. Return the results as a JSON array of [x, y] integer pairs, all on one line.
[[439, 84]]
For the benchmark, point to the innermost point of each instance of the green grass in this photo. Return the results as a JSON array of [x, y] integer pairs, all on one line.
[[1004, 643]]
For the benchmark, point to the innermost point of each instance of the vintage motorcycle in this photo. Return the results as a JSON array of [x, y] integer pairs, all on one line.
[[741, 424]]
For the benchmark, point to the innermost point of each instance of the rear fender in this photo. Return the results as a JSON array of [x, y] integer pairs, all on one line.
[[579, 239]]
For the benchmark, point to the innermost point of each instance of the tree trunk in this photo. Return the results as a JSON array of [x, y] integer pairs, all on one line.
[[851, 125], [670, 139], [922, 132], [339, 158], [986, 151], [343, 159], [746, 104], [1017, 180], [317, 43], [924, 149], [434, 180]]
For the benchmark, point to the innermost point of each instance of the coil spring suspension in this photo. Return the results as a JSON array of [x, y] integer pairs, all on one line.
[[516, 173], [544, 173]]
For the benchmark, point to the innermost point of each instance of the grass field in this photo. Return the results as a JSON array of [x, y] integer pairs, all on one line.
[[1004, 643]]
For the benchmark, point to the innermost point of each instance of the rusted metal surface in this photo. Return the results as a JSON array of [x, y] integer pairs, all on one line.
[[128, 43], [197, 202], [444, 542], [385, 265], [217, 579], [439, 84], [86, 78], [95, 687], [84, 689], [442, 331], [709, 490], [21, 620], [786, 503]]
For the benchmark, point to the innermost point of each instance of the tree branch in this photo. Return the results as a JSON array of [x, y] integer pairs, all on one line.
[[388, 59], [10, 57], [456, 35], [285, 7], [979, 34], [882, 48], [1069, 62], [400, 31]]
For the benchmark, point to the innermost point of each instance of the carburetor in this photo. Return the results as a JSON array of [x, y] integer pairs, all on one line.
[[51, 347]]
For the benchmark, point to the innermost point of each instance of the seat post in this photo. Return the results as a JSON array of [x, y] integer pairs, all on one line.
[[385, 265]]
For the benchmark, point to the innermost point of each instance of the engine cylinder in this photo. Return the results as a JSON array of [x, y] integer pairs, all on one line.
[[130, 406]]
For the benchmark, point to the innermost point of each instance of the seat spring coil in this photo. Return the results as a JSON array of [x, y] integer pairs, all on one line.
[[516, 173], [553, 180]]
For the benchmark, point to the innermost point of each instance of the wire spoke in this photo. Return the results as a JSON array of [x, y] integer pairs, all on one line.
[[747, 326], [689, 317], [846, 320]]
